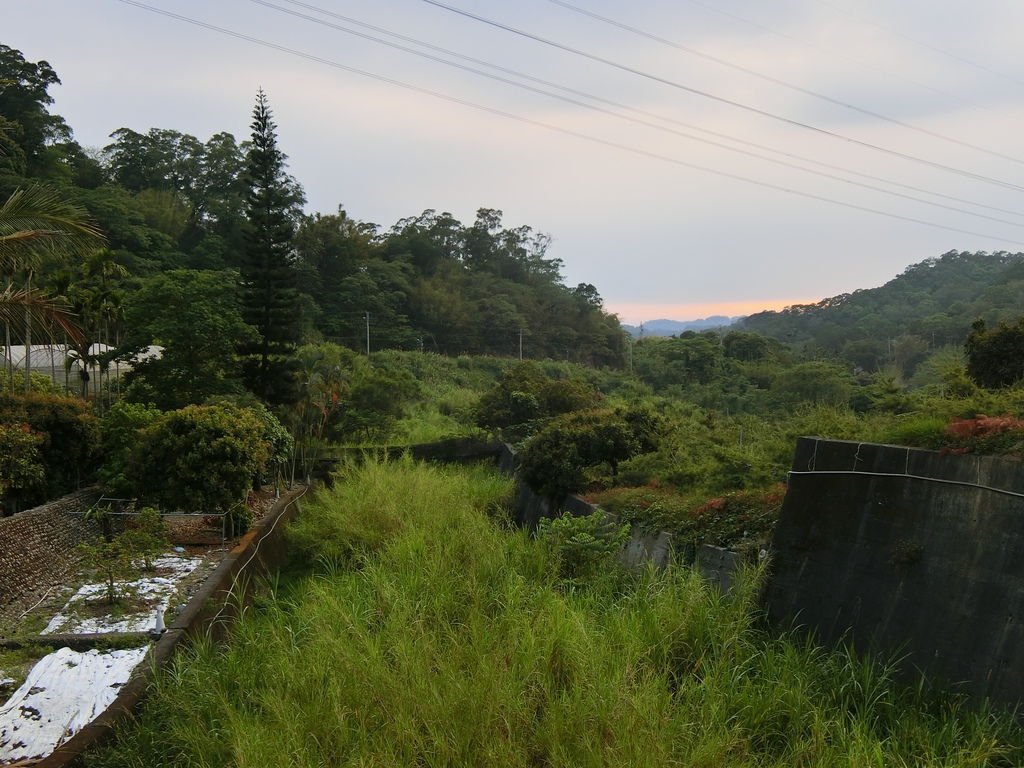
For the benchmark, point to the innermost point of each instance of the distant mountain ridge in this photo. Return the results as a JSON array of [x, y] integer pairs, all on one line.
[[930, 305], [663, 327]]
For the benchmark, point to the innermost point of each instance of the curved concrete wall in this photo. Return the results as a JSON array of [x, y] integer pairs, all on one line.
[[907, 552]]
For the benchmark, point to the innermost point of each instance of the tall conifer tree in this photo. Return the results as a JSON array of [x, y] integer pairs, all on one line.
[[269, 294]]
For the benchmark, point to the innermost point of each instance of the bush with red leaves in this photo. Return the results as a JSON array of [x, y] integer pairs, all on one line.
[[1000, 435]]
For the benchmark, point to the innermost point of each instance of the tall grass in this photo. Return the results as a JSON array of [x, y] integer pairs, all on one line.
[[427, 634]]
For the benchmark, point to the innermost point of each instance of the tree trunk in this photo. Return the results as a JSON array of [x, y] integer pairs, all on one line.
[[28, 336], [9, 361]]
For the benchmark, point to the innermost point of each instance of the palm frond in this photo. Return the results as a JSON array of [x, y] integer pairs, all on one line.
[[49, 315], [36, 222]]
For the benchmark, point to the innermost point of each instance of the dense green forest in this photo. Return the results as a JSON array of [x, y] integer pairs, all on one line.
[[932, 305], [168, 201]]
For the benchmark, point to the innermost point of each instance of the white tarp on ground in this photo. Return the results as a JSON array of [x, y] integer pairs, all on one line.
[[64, 692], [155, 590]]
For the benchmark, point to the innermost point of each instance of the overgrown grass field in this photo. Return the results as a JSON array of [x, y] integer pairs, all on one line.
[[423, 631]]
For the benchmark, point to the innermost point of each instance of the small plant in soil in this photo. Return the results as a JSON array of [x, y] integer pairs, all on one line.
[[101, 515], [128, 602], [146, 536], [110, 559]]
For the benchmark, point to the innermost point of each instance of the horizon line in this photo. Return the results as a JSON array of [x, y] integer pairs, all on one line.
[[633, 313]]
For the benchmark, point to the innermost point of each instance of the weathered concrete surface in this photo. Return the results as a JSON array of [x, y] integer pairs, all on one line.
[[928, 569], [718, 566], [647, 547]]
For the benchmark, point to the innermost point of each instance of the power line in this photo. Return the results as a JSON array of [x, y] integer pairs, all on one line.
[[830, 52], [619, 105], [557, 129], [646, 123], [779, 81], [921, 43], [722, 99]]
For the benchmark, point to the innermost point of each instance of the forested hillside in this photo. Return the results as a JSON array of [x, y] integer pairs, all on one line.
[[169, 201], [931, 305]]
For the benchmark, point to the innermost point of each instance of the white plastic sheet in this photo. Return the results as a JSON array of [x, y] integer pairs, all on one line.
[[156, 591], [64, 692]]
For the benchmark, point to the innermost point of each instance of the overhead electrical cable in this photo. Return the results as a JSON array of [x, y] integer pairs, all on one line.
[[778, 81], [722, 99], [555, 128], [627, 118], [921, 43], [889, 72], [618, 105]]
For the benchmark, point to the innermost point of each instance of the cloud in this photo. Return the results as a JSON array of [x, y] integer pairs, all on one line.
[[641, 229]]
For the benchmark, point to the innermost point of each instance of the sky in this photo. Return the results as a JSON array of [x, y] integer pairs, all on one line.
[[664, 226]]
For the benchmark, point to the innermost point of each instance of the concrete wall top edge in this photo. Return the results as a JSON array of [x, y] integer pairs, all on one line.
[[818, 454]]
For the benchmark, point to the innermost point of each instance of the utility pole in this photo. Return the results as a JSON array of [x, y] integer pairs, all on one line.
[[630, 354], [367, 315], [520, 343]]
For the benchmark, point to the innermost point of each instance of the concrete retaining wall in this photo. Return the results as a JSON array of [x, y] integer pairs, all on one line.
[[718, 566], [529, 509], [907, 552]]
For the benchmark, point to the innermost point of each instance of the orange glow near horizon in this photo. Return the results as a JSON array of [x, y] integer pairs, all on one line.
[[633, 313]]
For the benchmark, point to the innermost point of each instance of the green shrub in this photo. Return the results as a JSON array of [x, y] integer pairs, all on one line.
[[524, 395], [551, 465], [21, 463], [202, 457], [278, 439], [69, 431], [553, 461], [585, 547], [995, 356], [111, 559], [120, 431], [146, 535]]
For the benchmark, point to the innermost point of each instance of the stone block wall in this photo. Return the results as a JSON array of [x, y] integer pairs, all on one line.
[[37, 546]]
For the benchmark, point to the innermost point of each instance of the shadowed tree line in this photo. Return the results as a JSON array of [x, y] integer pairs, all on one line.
[[167, 202]]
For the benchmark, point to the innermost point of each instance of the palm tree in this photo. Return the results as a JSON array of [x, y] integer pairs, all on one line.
[[36, 223]]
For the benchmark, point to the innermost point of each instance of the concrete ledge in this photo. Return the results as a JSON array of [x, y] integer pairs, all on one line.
[[718, 566], [80, 642]]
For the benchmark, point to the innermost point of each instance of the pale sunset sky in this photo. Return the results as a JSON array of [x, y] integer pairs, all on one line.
[[910, 112]]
